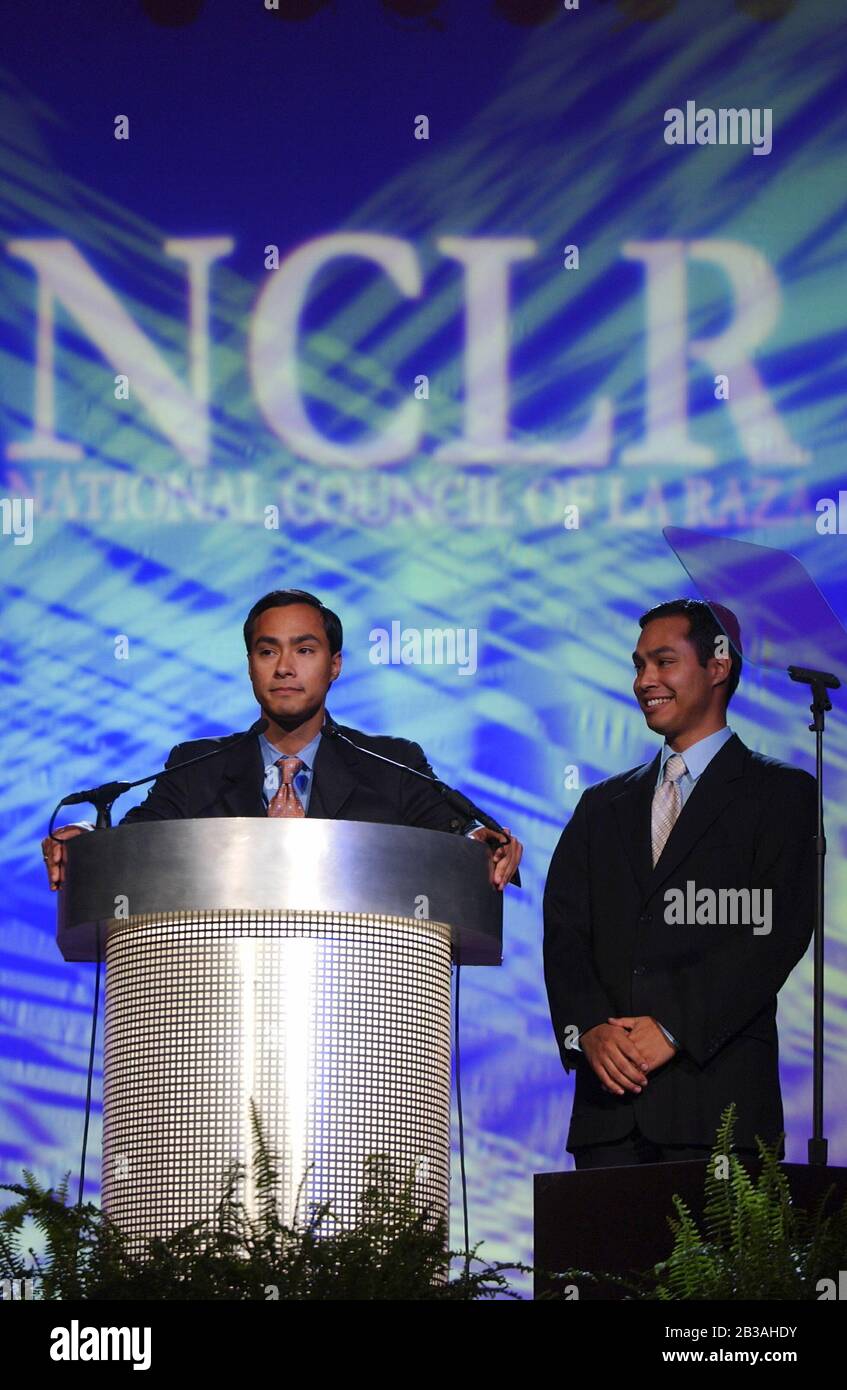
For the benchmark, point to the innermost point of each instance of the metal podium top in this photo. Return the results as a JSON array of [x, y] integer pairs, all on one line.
[[247, 863]]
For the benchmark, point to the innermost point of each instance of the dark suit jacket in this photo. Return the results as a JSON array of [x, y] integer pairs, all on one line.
[[749, 822], [346, 785]]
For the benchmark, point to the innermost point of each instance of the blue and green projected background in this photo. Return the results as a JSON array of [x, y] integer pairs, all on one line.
[[425, 316]]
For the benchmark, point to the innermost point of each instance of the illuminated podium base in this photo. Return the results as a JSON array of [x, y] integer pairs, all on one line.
[[320, 1007], [336, 1028]]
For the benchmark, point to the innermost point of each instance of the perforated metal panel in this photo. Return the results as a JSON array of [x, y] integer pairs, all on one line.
[[337, 1027]]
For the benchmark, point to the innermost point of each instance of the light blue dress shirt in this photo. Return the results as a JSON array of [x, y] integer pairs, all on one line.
[[696, 759]]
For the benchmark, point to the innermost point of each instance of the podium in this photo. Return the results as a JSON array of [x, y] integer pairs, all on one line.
[[301, 966]]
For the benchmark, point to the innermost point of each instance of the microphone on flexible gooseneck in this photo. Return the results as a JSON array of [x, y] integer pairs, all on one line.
[[454, 798], [103, 797]]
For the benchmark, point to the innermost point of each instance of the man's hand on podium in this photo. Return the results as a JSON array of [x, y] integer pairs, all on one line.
[[505, 858], [53, 853]]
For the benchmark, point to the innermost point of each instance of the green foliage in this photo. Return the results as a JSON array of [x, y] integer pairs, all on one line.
[[755, 1244], [393, 1250]]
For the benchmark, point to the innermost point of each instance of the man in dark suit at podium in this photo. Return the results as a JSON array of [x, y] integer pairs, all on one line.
[[678, 900], [302, 765]]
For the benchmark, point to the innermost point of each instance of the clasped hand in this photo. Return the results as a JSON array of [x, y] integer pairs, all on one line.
[[622, 1051]]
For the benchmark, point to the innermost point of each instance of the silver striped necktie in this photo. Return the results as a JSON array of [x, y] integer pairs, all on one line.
[[667, 804]]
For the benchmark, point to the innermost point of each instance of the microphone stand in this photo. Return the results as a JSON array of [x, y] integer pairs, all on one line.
[[819, 682], [105, 796], [454, 798]]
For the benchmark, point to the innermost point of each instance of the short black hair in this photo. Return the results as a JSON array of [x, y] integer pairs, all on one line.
[[703, 629], [283, 598]]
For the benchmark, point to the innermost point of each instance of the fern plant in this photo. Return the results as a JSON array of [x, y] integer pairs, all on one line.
[[755, 1244], [394, 1250]]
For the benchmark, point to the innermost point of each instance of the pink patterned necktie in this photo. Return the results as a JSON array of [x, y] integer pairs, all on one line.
[[667, 804], [286, 801]]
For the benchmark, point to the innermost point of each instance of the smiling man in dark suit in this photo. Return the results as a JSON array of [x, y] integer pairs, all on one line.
[[300, 766], [667, 1019]]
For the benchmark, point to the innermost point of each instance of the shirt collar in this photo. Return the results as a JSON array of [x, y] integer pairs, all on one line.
[[271, 755], [700, 754]]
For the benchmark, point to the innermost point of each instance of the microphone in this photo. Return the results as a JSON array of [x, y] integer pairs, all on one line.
[[454, 798], [104, 796]]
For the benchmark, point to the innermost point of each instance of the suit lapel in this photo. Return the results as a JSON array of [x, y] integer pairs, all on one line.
[[715, 789], [717, 786], [241, 781], [632, 809], [333, 777]]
